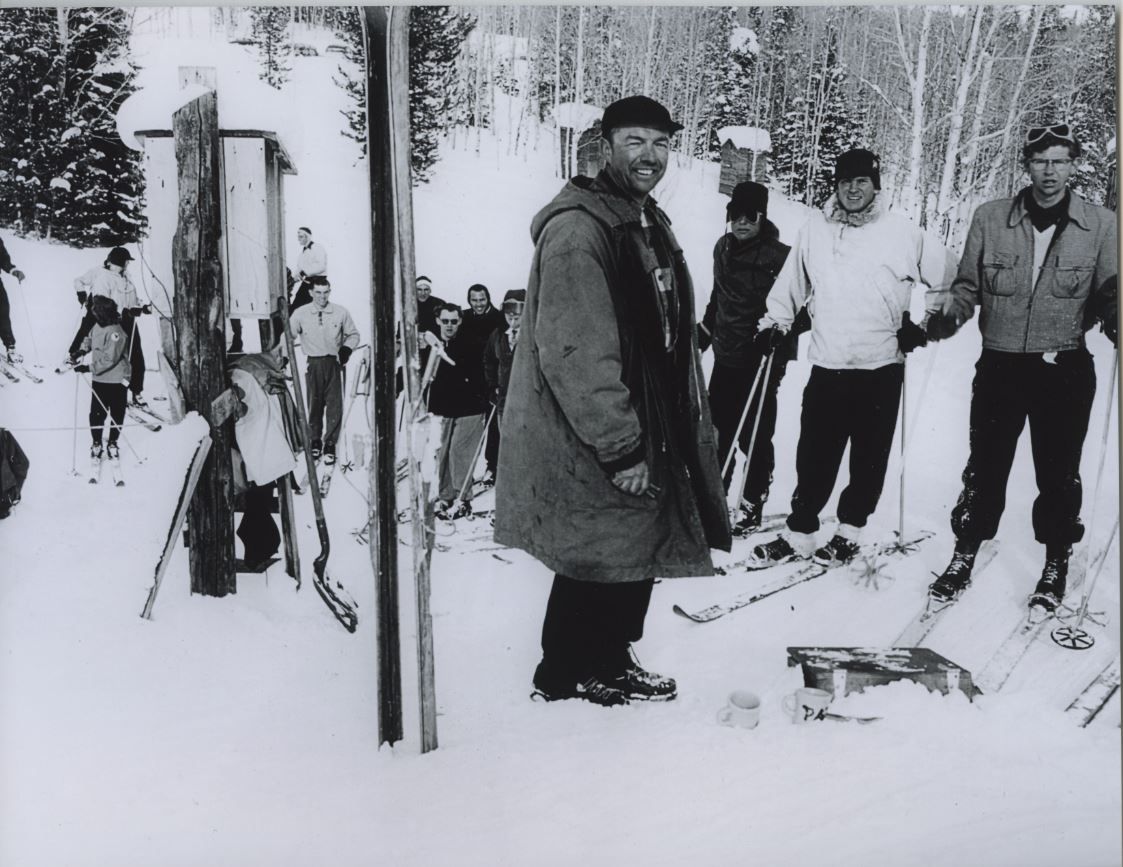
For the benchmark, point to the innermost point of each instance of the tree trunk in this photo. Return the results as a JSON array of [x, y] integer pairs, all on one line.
[[916, 77]]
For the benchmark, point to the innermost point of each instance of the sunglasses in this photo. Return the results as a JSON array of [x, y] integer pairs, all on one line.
[[751, 216], [1057, 130], [448, 321]]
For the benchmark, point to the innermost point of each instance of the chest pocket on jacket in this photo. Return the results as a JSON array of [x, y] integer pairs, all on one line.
[[1072, 277], [999, 275]]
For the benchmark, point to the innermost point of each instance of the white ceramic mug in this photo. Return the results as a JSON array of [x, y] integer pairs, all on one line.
[[742, 710], [807, 704]]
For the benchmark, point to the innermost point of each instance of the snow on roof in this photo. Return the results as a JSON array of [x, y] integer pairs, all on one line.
[[247, 105], [577, 115], [750, 137]]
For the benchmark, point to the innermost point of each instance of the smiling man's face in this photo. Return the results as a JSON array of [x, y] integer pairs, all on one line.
[[854, 194], [636, 157]]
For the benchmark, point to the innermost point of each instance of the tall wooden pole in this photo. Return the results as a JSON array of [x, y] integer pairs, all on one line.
[[383, 494], [200, 318]]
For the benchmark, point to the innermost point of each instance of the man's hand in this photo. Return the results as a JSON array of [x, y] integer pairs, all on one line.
[[1111, 329], [82, 368], [634, 480], [767, 339], [82, 296], [910, 335], [18, 274], [344, 354], [703, 338]]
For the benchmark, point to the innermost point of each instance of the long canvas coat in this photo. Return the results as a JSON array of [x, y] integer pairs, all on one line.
[[591, 384]]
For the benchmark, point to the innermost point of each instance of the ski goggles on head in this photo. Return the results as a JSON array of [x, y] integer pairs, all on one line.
[[1058, 130], [513, 306]]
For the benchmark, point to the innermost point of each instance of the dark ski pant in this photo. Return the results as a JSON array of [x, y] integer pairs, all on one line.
[[589, 627], [136, 351], [491, 450], [325, 398], [108, 398], [1056, 398], [6, 334], [257, 529], [729, 391], [840, 406]]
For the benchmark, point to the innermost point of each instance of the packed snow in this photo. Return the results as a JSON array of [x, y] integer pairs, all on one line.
[[244, 730]]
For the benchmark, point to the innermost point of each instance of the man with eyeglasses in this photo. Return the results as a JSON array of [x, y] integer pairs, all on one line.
[[608, 471], [1042, 267], [747, 259], [328, 336], [456, 394], [855, 265]]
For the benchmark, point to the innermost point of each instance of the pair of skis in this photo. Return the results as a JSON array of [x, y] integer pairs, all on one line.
[[874, 558], [323, 475], [13, 371], [114, 468]]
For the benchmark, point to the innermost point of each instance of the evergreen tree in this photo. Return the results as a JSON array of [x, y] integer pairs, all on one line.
[[270, 30], [64, 172], [436, 34], [734, 63]]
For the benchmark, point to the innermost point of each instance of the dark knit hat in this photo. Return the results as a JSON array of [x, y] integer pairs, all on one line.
[[748, 198], [858, 163], [516, 298], [119, 256], [639, 111]]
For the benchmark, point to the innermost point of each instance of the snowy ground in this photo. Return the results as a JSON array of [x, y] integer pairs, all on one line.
[[243, 731]]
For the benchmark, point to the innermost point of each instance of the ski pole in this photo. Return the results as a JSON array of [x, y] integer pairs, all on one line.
[[74, 439], [30, 330], [759, 413], [741, 423], [904, 428], [475, 457], [1097, 569]]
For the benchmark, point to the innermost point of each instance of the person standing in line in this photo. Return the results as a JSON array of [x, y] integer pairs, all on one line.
[[747, 260], [7, 336], [109, 371], [329, 336], [855, 266], [427, 306], [479, 322], [112, 281], [498, 354], [311, 268], [608, 472], [456, 395], [1042, 267]]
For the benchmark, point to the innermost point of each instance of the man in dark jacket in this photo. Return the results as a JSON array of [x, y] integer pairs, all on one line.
[[746, 261], [480, 321], [457, 396], [1043, 268], [427, 306], [608, 470], [6, 335]]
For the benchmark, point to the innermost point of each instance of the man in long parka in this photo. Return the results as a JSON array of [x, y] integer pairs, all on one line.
[[608, 467]]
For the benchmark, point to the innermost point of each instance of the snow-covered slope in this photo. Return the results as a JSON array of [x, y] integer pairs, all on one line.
[[243, 731]]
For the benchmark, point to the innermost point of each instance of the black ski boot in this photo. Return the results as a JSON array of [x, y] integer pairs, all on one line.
[[1051, 588], [837, 552], [779, 550], [592, 689], [749, 519], [957, 576], [637, 683]]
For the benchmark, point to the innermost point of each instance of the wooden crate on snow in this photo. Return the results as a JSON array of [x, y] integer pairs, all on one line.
[[843, 670]]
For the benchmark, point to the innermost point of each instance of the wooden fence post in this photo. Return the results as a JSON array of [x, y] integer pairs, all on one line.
[[200, 319]]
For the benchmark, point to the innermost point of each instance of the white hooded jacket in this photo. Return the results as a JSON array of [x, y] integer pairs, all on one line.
[[857, 282]]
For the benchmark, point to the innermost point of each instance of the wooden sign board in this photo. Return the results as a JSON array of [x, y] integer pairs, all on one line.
[[843, 670]]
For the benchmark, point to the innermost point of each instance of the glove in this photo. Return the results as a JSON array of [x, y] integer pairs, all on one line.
[[703, 338], [145, 308], [910, 335], [82, 296], [18, 274], [801, 324], [1111, 329], [135, 311], [82, 368], [941, 326], [767, 339], [344, 354]]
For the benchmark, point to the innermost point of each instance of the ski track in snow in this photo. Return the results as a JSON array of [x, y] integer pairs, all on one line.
[[244, 730]]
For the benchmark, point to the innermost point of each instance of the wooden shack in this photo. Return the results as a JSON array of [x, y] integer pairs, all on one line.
[[745, 153]]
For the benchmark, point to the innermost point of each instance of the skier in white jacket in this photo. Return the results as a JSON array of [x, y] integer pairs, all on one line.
[[855, 266]]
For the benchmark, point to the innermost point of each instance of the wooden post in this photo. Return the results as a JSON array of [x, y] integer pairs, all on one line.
[[199, 314], [384, 539]]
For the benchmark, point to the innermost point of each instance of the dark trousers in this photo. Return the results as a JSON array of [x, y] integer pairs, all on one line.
[[858, 407], [257, 529], [325, 398], [729, 390], [1056, 398], [302, 296], [132, 334], [589, 627], [491, 450], [108, 398], [6, 334]]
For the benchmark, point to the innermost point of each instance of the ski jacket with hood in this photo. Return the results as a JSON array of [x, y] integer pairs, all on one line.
[[857, 273], [743, 275], [607, 373], [109, 360], [1020, 311], [102, 281]]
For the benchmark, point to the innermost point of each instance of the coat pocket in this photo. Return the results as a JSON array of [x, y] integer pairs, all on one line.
[[999, 274], [1072, 276]]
